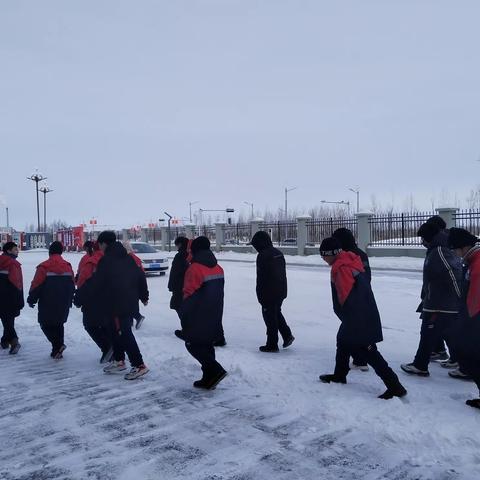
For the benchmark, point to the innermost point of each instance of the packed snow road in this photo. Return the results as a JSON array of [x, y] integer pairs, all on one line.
[[269, 419]]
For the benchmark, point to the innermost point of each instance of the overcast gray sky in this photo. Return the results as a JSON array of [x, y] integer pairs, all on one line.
[[133, 108]]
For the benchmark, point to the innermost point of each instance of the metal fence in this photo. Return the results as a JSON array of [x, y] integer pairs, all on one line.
[[397, 229], [208, 231], [468, 219], [282, 233], [238, 234], [318, 229]]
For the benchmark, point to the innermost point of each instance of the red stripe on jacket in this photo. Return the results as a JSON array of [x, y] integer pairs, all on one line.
[[14, 269], [196, 275]]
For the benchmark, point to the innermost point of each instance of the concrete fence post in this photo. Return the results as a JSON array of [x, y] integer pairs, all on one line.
[[125, 234], [256, 222], [302, 234], [190, 230], [448, 214], [164, 237], [363, 229], [219, 236], [143, 235]]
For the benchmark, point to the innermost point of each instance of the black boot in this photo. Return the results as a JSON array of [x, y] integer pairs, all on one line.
[[332, 378], [394, 388], [475, 403]]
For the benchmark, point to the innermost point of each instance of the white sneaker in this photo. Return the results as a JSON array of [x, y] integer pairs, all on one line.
[[449, 364], [412, 369], [115, 367], [362, 368], [136, 372]]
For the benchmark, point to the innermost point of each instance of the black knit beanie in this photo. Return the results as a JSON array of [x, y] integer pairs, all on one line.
[[459, 238], [329, 247]]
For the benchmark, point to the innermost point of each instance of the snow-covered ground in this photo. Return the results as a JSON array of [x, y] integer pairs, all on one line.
[[269, 419]]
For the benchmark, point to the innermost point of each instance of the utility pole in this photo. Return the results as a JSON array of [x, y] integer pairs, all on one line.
[[37, 177]]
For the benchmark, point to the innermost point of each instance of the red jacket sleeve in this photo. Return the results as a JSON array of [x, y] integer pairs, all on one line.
[[39, 278], [15, 275], [473, 295], [84, 273], [343, 281], [193, 280]]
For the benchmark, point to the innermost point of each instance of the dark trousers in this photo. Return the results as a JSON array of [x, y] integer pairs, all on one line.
[[204, 353], [123, 341], [9, 333], [373, 357], [99, 334], [275, 322], [434, 327], [54, 334]]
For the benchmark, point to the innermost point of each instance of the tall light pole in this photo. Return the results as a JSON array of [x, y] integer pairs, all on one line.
[[45, 189], [357, 192], [169, 221], [37, 177], [251, 204], [286, 200], [190, 205]]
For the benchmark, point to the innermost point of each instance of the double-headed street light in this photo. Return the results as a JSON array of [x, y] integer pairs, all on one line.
[[341, 202], [37, 177], [45, 189]]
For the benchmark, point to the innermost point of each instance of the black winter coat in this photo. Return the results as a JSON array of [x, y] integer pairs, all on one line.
[[364, 258], [271, 271], [354, 303], [442, 278], [117, 285], [176, 278], [201, 311]]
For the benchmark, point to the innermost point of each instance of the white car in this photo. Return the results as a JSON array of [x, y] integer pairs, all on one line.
[[152, 259]]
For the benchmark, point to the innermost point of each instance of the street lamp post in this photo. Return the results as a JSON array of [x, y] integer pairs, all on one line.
[[251, 204], [357, 192], [190, 205], [169, 220], [286, 200], [37, 177], [45, 189]]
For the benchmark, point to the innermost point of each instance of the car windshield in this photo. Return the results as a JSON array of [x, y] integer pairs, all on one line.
[[143, 248]]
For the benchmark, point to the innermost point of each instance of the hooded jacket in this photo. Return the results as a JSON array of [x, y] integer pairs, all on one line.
[[201, 311], [354, 302], [52, 287], [271, 271], [11, 286], [116, 286], [347, 241], [87, 267], [177, 276], [442, 278]]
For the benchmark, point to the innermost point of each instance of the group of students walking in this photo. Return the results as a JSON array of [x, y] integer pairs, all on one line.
[[110, 282]]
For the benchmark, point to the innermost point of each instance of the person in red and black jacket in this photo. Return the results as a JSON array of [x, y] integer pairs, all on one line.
[[361, 328], [138, 317], [52, 287], [467, 340], [117, 286], [11, 295], [94, 319], [201, 311]]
